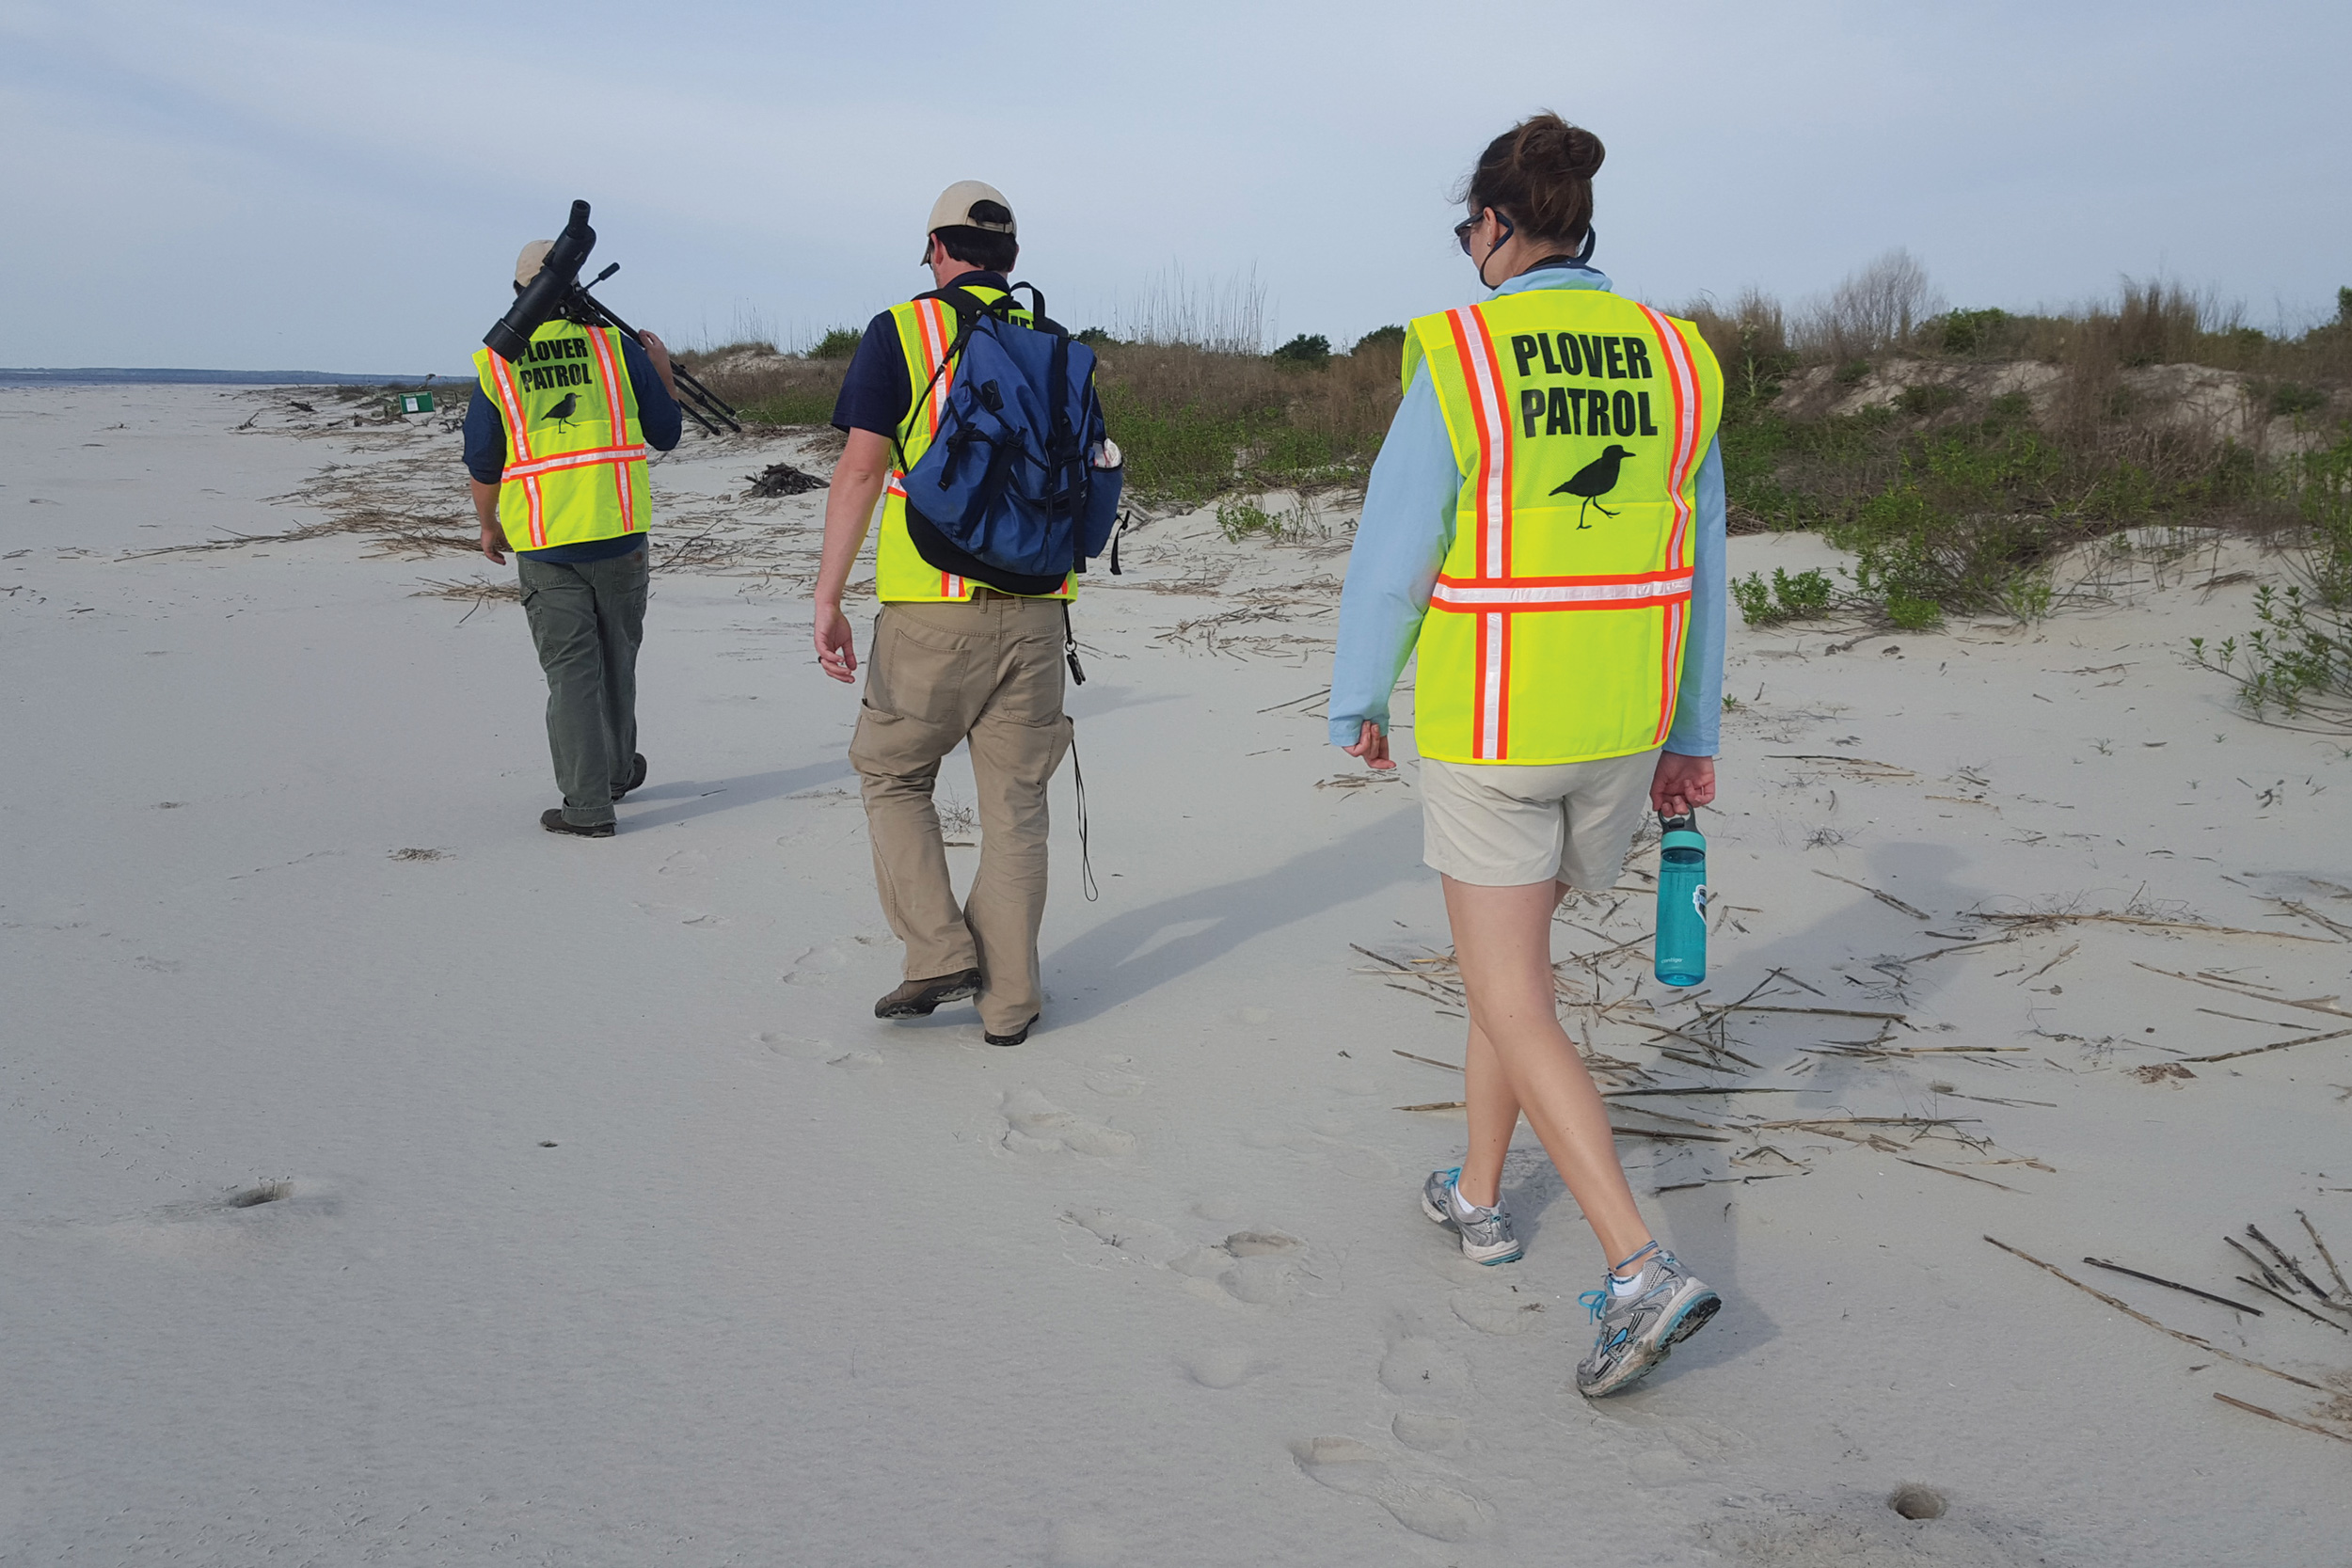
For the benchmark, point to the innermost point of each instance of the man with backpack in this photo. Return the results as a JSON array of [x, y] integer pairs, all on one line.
[[975, 424]]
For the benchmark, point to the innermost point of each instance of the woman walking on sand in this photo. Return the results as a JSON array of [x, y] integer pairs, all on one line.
[[1545, 527]]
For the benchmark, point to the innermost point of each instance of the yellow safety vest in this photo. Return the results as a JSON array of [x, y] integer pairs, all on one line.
[[575, 452], [927, 328], [1578, 420]]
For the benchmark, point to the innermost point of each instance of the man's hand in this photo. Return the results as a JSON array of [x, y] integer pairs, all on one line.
[[486, 511], [1681, 784], [1373, 746], [837, 645], [659, 352]]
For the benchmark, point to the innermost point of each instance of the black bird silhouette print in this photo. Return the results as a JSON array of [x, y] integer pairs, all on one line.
[[1593, 481], [562, 414]]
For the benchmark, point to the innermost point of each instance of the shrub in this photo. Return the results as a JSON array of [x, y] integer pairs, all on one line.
[[1932, 398], [1802, 597], [1969, 331], [1239, 519], [838, 343], [2285, 399], [1307, 351]]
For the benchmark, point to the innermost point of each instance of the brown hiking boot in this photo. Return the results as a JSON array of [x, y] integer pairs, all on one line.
[[917, 998]]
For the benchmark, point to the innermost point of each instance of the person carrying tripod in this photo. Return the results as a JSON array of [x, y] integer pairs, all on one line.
[[1544, 527], [962, 651], [556, 443]]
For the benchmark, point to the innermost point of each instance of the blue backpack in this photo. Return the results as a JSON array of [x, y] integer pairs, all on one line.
[[1008, 494]]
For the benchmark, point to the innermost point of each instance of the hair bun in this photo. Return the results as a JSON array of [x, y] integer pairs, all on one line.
[[1584, 154], [1540, 172]]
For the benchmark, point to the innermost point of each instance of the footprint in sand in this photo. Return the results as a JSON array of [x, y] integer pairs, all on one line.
[[1663, 1450], [798, 1048], [1416, 1368], [1498, 1309], [1418, 1502], [1427, 1432], [1259, 1268], [1113, 1079], [1220, 1366], [818, 966], [1035, 1125]]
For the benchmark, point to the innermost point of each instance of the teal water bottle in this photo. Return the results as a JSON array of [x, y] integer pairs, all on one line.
[[1681, 945]]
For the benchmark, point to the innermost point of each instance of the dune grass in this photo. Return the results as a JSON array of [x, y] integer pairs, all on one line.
[[1955, 493]]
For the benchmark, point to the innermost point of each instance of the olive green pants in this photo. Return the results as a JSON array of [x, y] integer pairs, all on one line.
[[587, 618], [988, 672]]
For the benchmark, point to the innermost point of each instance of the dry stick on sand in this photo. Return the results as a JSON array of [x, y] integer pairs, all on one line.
[[2291, 1266], [2258, 1050], [2325, 1256], [1962, 1174], [1669, 1137], [2309, 1003], [2174, 1285], [2315, 918], [2103, 919], [2283, 1420], [2290, 1301], [1734, 1088], [2260, 1267], [2205, 1345], [1887, 898], [1831, 1012]]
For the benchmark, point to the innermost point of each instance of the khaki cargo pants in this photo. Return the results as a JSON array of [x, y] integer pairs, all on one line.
[[989, 671]]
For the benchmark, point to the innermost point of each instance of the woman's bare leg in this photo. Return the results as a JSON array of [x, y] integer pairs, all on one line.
[[1494, 1116], [1503, 941]]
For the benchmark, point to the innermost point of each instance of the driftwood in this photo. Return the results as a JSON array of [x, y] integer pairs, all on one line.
[[2132, 1313], [1887, 898], [2174, 1285], [2277, 1045], [2283, 1420]]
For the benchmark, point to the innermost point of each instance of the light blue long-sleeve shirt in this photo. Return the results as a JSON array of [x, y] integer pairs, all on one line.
[[1408, 527]]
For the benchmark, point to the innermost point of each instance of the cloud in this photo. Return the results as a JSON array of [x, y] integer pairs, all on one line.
[[266, 184]]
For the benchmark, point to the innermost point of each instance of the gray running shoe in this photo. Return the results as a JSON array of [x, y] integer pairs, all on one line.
[[1486, 1235], [1639, 1329]]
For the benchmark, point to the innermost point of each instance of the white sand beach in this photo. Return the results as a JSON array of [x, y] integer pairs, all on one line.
[[389, 1181]]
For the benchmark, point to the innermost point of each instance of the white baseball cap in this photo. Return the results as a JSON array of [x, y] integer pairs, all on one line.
[[953, 210], [534, 256]]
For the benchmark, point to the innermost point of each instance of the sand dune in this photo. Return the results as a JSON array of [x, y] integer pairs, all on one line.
[[388, 1180]]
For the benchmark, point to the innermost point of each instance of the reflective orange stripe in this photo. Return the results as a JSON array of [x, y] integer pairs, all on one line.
[[1485, 381], [1540, 593], [583, 458], [518, 438], [1683, 379], [619, 418]]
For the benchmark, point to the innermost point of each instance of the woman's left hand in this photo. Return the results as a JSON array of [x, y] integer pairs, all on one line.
[[1681, 784], [1373, 746]]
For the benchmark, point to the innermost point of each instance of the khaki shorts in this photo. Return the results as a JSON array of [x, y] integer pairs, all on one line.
[[1502, 825]]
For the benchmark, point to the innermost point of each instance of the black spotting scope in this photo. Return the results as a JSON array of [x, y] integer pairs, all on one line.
[[557, 290], [511, 337]]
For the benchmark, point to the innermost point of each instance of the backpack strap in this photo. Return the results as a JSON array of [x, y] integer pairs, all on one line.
[[969, 309]]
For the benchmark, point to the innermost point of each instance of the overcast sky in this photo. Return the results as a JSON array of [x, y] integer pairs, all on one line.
[[259, 185]]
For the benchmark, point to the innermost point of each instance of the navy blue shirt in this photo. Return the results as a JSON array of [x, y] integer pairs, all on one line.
[[876, 393], [657, 417]]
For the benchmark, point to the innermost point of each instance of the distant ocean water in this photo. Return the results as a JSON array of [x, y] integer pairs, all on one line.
[[113, 377]]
